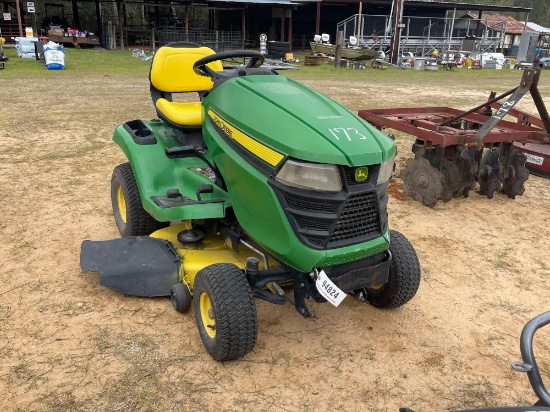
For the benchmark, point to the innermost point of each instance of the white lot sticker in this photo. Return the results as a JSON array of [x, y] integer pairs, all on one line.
[[329, 290], [534, 159]]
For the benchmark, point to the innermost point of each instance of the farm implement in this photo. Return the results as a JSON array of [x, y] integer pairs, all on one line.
[[454, 149], [260, 184]]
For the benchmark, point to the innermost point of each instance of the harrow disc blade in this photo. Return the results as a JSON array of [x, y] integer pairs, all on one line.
[[515, 175], [489, 176], [458, 173], [422, 181], [452, 179], [469, 169]]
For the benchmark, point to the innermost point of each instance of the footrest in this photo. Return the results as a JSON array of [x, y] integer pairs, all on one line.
[[166, 202]]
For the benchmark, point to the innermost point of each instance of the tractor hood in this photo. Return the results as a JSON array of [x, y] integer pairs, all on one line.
[[289, 119]]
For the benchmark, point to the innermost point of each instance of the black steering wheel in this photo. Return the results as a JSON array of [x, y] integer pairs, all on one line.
[[200, 67]]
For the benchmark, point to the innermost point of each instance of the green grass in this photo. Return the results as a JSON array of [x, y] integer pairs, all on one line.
[[458, 79], [84, 62], [78, 62]]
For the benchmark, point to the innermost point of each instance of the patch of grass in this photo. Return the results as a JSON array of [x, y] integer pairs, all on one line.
[[21, 370], [102, 339], [507, 306], [434, 360], [79, 63], [61, 401], [480, 394]]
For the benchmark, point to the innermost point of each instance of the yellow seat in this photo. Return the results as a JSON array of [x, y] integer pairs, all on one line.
[[172, 72]]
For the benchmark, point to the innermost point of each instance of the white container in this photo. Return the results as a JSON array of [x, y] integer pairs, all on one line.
[[25, 47], [419, 63], [55, 59], [26, 55], [29, 32], [25, 40]]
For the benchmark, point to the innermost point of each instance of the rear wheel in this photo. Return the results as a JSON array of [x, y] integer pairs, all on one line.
[[225, 311], [130, 216], [404, 276]]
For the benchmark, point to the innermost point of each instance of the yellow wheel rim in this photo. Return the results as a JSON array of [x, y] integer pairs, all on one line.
[[380, 286], [207, 315], [121, 203]]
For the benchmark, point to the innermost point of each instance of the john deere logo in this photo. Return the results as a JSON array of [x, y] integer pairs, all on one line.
[[361, 174]]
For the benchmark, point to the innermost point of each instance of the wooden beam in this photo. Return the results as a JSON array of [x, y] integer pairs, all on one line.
[[283, 26], [290, 28], [338, 48], [76, 18], [318, 19], [19, 18]]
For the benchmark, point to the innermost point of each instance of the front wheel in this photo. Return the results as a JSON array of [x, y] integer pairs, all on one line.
[[404, 276], [225, 311]]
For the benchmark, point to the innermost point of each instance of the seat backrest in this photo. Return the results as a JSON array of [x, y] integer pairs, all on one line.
[[172, 68]]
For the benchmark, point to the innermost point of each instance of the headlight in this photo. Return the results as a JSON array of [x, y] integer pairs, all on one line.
[[386, 169], [312, 176]]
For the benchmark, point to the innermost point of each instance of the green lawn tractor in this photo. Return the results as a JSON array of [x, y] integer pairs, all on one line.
[[263, 188]]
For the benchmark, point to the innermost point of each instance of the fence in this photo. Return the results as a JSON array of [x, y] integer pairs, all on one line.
[[423, 34], [218, 40]]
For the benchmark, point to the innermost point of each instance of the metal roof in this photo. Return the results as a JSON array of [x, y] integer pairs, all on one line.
[[266, 2], [467, 6], [538, 27], [431, 4]]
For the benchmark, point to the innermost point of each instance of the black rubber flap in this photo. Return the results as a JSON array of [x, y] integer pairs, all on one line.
[[135, 265]]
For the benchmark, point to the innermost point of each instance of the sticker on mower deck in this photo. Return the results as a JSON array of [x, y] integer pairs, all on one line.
[[534, 159], [329, 290]]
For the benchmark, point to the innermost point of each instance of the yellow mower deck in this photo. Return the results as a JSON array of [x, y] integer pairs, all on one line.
[[210, 250]]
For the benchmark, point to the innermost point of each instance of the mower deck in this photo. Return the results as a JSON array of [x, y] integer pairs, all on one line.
[[151, 265]]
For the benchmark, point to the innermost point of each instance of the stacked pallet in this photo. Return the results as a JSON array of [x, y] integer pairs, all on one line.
[[315, 60]]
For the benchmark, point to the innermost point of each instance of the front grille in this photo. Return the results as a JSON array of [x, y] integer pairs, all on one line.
[[332, 220], [306, 206], [312, 225], [317, 242], [359, 218]]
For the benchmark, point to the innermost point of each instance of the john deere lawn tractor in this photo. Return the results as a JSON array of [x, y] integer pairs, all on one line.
[[262, 188]]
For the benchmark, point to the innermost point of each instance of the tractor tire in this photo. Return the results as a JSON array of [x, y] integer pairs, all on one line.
[[225, 311], [404, 276], [130, 216], [180, 297]]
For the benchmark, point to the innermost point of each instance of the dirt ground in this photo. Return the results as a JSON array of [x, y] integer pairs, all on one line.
[[67, 343]]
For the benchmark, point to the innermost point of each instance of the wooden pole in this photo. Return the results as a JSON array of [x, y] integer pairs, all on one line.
[[396, 31], [318, 19], [99, 22], [359, 31], [121, 25], [290, 28], [451, 32], [33, 25], [76, 18], [338, 49], [19, 18], [283, 26], [244, 25]]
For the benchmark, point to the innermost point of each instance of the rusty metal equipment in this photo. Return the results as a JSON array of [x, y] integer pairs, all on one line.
[[455, 149]]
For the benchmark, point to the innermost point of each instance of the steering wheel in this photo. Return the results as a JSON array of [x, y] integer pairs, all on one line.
[[200, 67]]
